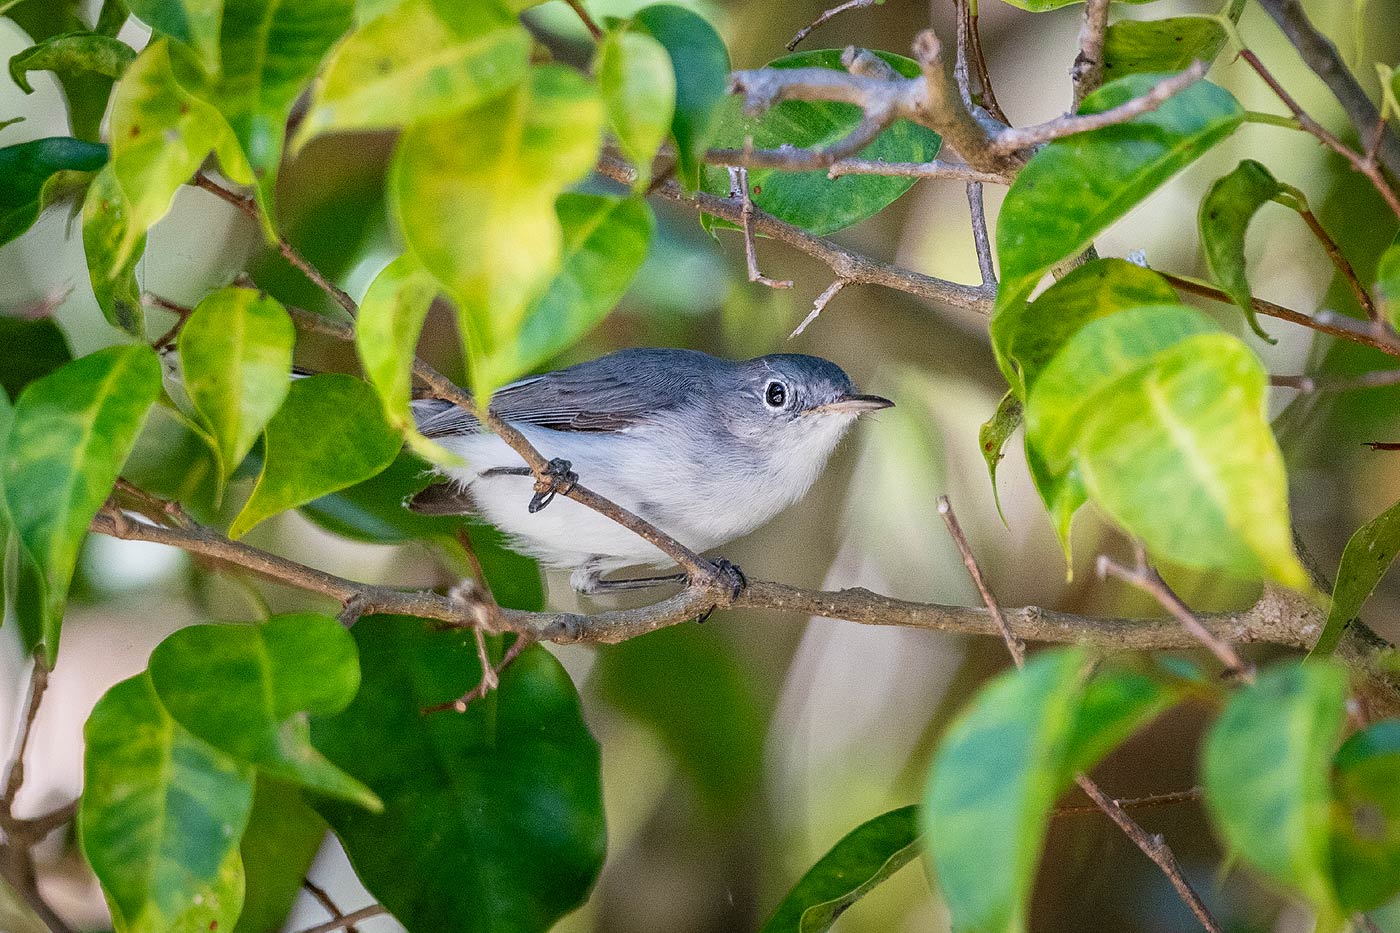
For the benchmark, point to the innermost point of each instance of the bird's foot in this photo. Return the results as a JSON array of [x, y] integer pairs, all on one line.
[[725, 577], [558, 477]]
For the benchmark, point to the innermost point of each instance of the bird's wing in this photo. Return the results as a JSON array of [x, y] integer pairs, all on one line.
[[609, 394]]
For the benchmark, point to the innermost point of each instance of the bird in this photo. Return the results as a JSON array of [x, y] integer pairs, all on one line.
[[704, 448]]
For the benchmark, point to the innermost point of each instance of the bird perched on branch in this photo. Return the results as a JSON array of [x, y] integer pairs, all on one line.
[[705, 449]]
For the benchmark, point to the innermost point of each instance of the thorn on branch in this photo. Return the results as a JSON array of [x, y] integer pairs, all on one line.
[[819, 305]]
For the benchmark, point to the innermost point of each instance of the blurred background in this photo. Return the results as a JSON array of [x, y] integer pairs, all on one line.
[[736, 752]]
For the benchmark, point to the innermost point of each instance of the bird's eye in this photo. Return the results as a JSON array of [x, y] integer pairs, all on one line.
[[775, 395]]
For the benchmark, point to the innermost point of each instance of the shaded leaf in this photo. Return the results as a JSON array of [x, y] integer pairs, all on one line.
[[639, 91], [330, 433], [160, 817], [113, 278], [1044, 6], [29, 349], [195, 23], [1265, 771], [247, 690], [1225, 214], [1180, 454], [1388, 283], [812, 200], [161, 133], [421, 60], [1366, 834], [864, 857], [1365, 560], [1062, 492], [474, 195], [73, 429], [1116, 703], [478, 806], [84, 64], [236, 361], [283, 836], [27, 169], [994, 434], [700, 62], [1157, 45], [1076, 187]]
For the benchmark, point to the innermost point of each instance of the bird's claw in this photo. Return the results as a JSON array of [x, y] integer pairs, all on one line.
[[725, 575], [558, 477]]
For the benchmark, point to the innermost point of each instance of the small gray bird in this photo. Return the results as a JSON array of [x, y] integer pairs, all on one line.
[[704, 448]]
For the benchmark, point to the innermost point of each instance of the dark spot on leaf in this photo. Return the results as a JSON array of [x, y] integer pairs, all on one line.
[[757, 189], [1368, 821], [184, 108], [384, 65], [135, 131]]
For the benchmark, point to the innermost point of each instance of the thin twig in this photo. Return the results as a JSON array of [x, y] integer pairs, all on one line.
[[14, 780], [805, 31], [1014, 645], [980, 239], [979, 62], [348, 920], [1189, 795], [1145, 577], [1087, 73], [324, 899], [1334, 253], [955, 171], [1308, 384], [593, 28], [739, 188], [490, 676], [819, 305]]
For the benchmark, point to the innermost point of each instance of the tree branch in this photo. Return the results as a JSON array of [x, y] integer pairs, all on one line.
[[1087, 72], [826, 16]]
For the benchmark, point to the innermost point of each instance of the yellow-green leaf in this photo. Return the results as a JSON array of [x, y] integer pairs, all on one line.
[[639, 89], [105, 225]]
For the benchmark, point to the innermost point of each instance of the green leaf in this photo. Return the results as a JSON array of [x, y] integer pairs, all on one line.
[[1180, 454], [282, 838], [605, 242], [474, 196], [386, 339], [373, 511], [161, 134], [994, 434], [1366, 820], [330, 433], [700, 62], [1158, 45], [864, 857], [1089, 366], [639, 91], [195, 23], [1045, 6], [812, 200], [29, 349], [1027, 337], [995, 777], [271, 49], [479, 806], [85, 64], [1075, 187], [73, 429], [1388, 283], [1265, 772], [1116, 703], [1225, 214], [1062, 492], [1365, 560], [236, 358], [27, 169], [113, 278], [160, 817], [247, 690], [422, 60]]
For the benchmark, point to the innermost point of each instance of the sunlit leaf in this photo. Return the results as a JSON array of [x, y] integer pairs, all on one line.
[[29, 349], [1225, 214], [161, 133], [1115, 705], [1265, 770], [1075, 187], [479, 806], [1365, 560], [420, 60], [236, 359], [1388, 283], [474, 196], [1366, 834], [1061, 491], [330, 433], [1044, 6], [247, 690], [105, 225], [283, 836], [195, 23], [26, 169], [812, 200], [1155, 45], [639, 90], [700, 62], [1180, 454], [73, 429], [864, 857], [160, 817], [84, 64]]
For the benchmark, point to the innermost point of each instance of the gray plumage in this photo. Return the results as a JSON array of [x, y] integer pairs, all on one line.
[[705, 448]]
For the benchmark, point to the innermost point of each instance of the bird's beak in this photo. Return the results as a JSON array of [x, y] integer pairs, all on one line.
[[856, 404]]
